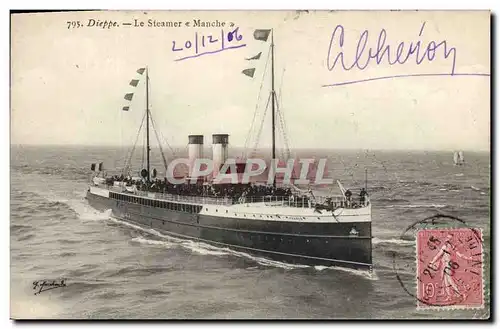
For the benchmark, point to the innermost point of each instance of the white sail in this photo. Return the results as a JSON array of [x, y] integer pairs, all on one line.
[[455, 157], [461, 157]]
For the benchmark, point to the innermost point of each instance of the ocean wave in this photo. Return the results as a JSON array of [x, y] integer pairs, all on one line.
[[88, 213], [392, 241], [417, 206], [206, 249], [142, 240], [366, 274], [392, 200], [26, 237], [19, 227]]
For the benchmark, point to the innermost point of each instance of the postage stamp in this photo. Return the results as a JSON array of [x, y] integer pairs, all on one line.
[[450, 268]]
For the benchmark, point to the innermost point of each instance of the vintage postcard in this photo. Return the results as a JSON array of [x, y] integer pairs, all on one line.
[[250, 165]]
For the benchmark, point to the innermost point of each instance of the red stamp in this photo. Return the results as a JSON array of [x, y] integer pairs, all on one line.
[[450, 268]]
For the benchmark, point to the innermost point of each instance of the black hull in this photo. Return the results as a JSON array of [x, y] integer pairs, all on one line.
[[324, 244]]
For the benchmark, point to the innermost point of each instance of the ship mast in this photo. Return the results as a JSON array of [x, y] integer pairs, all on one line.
[[273, 95], [148, 149]]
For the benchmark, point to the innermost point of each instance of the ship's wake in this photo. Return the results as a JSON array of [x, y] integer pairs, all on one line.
[[78, 204], [377, 241], [202, 248]]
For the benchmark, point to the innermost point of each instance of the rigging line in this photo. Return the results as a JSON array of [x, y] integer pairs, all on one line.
[[280, 128], [257, 103], [261, 126], [159, 144], [128, 159], [281, 86], [282, 117], [162, 138], [283, 127], [161, 135]]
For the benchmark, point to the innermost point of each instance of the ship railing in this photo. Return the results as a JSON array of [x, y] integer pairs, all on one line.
[[270, 200], [175, 197], [304, 202]]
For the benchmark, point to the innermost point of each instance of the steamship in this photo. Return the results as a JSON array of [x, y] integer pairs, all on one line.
[[293, 227]]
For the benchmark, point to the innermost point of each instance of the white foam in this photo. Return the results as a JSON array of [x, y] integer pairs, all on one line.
[[367, 274], [393, 241], [142, 240], [204, 249], [475, 188], [207, 249]]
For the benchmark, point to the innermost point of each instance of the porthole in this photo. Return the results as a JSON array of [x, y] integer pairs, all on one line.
[[326, 241], [307, 240]]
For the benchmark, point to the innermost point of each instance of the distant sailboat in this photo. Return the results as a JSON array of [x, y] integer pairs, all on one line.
[[458, 158]]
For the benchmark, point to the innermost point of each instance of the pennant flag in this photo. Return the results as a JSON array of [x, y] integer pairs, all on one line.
[[248, 72], [100, 166], [129, 96], [141, 70], [92, 167], [255, 57], [134, 83], [125, 108], [261, 35]]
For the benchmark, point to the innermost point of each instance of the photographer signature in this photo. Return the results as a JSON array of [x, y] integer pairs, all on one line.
[[44, 285]]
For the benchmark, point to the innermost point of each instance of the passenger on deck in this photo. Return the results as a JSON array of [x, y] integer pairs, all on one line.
[[348, 195], [362, 197]]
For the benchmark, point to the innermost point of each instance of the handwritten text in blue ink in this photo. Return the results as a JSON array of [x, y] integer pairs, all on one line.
[[203, 43], [411, 52]]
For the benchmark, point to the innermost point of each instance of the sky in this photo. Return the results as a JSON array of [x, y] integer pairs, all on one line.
[[68, 84]]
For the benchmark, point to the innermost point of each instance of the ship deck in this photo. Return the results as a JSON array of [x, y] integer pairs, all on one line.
[[268, 200]]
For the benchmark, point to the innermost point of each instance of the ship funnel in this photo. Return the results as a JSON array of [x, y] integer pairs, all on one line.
[[219, 150], [195, 149]]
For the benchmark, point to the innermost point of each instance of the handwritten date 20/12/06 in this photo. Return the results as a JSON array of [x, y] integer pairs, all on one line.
[[204, 44]]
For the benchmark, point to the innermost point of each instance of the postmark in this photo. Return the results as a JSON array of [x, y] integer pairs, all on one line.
[[408, 270], [449, 268]]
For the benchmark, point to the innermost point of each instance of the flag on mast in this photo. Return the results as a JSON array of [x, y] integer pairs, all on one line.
[[129, 96], [249, 72], [261, 35], [141, 70], [134, 83], [254, 57]]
